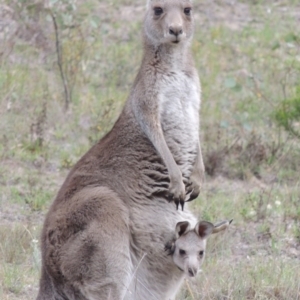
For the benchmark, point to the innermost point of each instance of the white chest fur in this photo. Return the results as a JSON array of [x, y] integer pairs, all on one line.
[[179, 98], [179, 101]]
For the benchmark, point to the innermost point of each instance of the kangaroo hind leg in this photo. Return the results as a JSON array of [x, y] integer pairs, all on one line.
[[96, 260]]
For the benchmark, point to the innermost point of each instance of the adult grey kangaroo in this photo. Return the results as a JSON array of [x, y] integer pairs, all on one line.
[[104, 235]]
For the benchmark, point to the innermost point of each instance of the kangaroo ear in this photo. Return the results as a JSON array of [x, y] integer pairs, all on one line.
[[181, 228], [204, 229], [221, 226]]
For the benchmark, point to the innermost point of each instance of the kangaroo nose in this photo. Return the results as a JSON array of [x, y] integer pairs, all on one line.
[[175, 30]]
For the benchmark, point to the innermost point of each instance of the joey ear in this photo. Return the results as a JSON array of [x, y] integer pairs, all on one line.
[[221, 226], [181, 228], [204, 229]]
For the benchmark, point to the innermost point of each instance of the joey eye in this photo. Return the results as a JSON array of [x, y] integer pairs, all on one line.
[[201, 252], [187, 11], [158, 11], [181, 252]]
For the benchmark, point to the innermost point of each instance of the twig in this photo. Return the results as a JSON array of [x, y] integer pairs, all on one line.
[[60, 62], [257, 91], [72, 79]]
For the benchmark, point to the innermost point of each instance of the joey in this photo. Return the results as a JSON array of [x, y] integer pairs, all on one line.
[[188, 247]]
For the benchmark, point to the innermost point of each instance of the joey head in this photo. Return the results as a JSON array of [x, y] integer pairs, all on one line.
[[188, 248]]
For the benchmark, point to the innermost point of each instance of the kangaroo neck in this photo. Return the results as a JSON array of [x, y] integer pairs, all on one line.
[[165, 56]]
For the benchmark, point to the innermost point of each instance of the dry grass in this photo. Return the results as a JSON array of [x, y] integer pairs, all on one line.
[[247, 53]]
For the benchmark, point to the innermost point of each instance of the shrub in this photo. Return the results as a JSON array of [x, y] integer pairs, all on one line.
[[287, 115]]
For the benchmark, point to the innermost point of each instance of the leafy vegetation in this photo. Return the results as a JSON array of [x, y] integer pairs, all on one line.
[[288, 114]]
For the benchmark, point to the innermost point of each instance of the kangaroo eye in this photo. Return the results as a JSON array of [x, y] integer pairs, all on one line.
[[201, 253], [181, 252], [187, 11], [158, 11]]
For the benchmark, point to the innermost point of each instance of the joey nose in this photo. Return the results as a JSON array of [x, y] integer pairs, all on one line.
[[192, 272], [175, 30]]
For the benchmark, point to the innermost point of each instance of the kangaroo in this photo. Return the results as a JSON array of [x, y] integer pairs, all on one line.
[[188, 246], [104, 234]]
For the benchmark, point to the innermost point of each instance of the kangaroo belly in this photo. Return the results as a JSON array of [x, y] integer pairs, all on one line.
[[156, 276]]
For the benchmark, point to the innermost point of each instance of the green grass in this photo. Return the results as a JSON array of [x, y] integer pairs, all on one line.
[[20, 261], [247, 55]]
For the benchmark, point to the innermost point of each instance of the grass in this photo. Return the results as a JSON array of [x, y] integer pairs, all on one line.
[[20, 262], [248, 59]]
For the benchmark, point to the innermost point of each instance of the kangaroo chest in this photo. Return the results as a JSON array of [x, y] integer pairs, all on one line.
[[179, 98]]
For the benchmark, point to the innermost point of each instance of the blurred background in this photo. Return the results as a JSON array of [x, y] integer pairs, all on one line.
[[66, 67]]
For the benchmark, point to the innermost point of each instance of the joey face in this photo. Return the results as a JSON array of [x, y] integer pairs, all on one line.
[[188, 250], [189, 253], [169, 21]]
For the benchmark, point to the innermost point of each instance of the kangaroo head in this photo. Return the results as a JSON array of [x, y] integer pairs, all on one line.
[[188, 249], [169, 21]]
